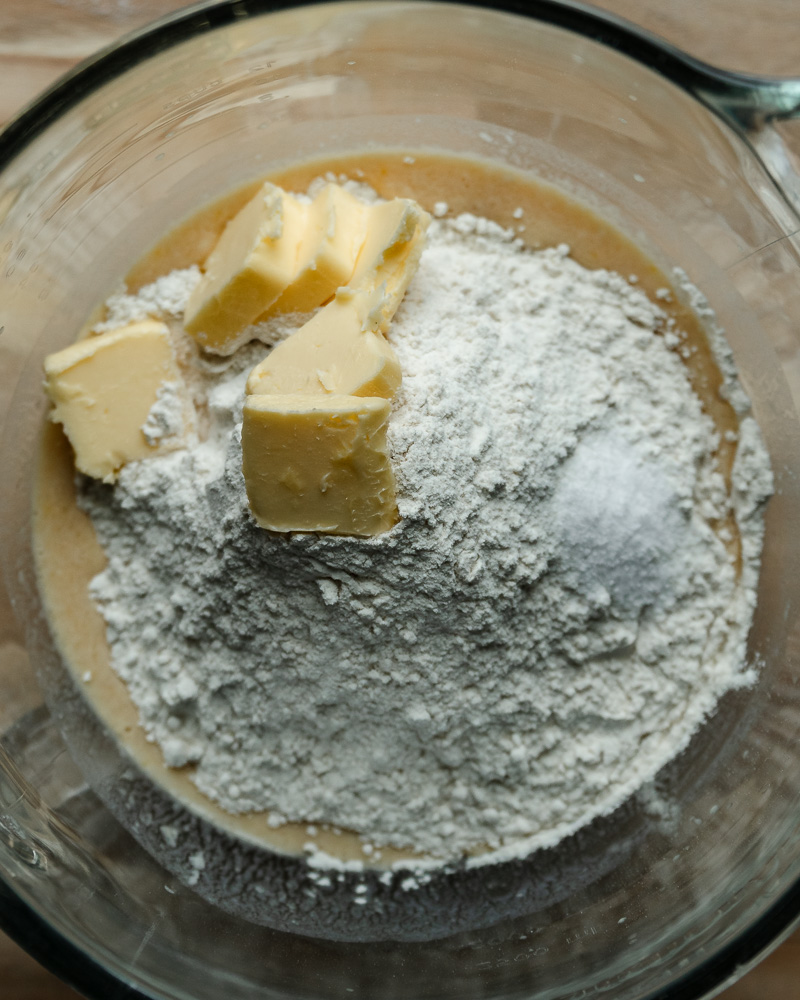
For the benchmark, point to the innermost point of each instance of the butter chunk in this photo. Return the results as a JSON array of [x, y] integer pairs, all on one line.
[[339, 351], [390, 255], [316, 463], [251, 265], [336, 226], [103, 389]]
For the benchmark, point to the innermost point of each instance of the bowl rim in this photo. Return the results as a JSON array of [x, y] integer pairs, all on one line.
[[711, 86], [719, 89]]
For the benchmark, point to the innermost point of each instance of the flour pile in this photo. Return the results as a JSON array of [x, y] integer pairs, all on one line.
[[549, 623]]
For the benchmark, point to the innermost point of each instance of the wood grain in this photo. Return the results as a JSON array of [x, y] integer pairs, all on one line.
[[21, 978], [41, 39]]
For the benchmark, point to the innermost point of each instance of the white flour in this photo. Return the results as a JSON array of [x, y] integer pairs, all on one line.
[[546, 627], [164, 298], [165, 419]]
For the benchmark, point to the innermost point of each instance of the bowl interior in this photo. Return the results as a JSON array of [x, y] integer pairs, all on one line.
[[636, 901]]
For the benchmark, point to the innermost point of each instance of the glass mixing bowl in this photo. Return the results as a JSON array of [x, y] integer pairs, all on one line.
[[673, 895]]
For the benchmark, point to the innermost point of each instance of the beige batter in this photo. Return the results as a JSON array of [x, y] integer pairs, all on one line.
[[66, 550]]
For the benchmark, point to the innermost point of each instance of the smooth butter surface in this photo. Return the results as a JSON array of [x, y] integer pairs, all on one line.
[[340, 350], [390, 256], [316, 463], [251, 265], [103, 389], [314, 432], [336, 225]]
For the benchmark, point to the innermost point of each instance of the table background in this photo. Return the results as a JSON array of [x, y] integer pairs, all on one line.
[[40, 39]]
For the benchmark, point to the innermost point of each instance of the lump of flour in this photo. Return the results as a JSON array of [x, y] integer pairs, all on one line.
[[548, 624]]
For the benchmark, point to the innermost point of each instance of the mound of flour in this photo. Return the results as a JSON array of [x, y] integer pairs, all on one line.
[[546, 627]]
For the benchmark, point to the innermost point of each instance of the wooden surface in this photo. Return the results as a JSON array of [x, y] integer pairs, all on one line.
[[40, 39]]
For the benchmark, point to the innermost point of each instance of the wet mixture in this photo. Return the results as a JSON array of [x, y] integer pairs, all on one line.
[[416, 513]]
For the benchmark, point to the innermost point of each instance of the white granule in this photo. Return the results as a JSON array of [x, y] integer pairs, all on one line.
[[547, 626]]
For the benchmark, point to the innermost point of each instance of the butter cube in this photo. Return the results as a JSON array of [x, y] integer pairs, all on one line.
[[250, 267], [103, 389], [316, 463], [342, 348], [390, 255], [340, 351], [335, 230]]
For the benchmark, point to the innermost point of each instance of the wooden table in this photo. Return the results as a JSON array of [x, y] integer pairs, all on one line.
[[40, 39]]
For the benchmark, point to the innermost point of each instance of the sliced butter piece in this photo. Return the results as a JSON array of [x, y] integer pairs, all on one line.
[[340, 350], [316, 463], [390, 255], [250, 267], [103, 389], [336, 226]]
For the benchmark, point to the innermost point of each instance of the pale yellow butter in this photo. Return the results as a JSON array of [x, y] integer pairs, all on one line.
[[316, 463], [390, 255], [336, 225], [103, 389], [251, 265], [340, 350], [314, 427]]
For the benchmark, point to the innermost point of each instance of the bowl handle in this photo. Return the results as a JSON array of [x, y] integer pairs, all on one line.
[[765, 112]]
